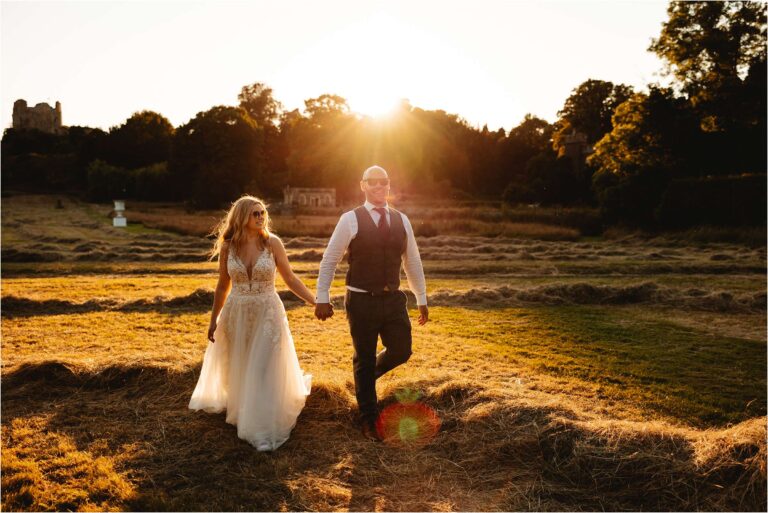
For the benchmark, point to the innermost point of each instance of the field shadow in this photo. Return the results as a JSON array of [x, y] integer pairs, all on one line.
[[492, 452], [183, 460]]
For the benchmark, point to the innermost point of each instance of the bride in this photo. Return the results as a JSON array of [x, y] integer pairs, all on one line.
[[250, 368]]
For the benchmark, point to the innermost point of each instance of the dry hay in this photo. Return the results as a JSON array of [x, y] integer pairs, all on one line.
[[505, 248], [142, 247], [58, 240], [13, 306], [305, 242], [623, 465], [16, 255], [589, 294], [120, 254], [630, 256], [581, 293], [495, 451], [310, 255], [199, 300]]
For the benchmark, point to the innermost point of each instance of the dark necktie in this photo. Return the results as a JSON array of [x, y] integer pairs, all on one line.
[[383, 226]]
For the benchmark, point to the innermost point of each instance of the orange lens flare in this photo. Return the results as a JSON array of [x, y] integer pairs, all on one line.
[[409, 424]]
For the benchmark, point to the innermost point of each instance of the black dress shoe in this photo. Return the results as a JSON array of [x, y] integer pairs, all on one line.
[[368, 430]]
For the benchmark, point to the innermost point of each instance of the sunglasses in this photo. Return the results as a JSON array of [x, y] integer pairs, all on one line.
[[258, 214], [377, 181]]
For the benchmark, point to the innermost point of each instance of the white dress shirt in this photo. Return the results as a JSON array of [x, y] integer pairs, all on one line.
[[345, 231]]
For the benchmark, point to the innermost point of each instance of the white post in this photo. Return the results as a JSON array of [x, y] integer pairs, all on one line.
[[119, 219]]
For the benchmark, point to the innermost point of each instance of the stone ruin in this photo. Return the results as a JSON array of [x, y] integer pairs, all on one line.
[[41, 117], [309, 197]]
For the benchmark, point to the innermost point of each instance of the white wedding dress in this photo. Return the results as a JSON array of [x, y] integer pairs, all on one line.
[[252, 370]]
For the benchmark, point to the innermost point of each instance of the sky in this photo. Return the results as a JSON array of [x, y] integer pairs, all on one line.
[[489, 61]]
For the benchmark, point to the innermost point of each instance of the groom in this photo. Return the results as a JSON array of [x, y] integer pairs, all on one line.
[[378, 239]]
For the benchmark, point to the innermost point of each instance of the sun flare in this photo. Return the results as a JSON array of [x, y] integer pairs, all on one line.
[[374, 105]]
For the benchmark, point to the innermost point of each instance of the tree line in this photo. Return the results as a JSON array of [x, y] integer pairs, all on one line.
[[689, 153]]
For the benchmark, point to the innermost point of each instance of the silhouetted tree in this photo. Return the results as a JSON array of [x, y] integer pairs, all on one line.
[[532, 137], [588, 110], [19, 142], [257, 100], [551, 179], [654, 139], [709, 47], [43, 161], [144, 139], [485, 150], [326, 108], [88, 143], [716, 51], [262, 107], [217, 156]]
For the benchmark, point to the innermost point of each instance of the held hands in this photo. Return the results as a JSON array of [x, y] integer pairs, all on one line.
[[323, 311], [423, 315]]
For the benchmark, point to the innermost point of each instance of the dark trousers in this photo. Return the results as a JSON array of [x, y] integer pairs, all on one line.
[[371, 316]]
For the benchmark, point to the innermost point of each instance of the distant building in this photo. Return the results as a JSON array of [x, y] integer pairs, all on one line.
[[41, 117], [309, 197], [576, 147]]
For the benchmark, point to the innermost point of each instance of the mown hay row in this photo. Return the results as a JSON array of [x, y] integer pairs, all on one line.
[[588, 294], [504, 296]]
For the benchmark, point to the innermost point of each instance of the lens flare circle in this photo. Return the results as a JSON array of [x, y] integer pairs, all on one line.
[[411, 424]]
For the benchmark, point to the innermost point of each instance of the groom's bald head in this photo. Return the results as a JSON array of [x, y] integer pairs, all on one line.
[[375, 172]]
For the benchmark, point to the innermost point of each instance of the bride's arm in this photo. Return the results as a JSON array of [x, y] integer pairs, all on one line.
[[222, 290], [284, 267]]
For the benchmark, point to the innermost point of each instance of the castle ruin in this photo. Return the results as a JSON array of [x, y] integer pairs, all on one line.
[[41, 117]]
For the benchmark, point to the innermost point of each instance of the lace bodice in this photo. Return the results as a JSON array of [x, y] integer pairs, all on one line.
[[262, 275]]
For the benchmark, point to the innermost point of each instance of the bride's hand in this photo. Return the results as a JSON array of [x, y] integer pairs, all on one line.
[[211, 330]]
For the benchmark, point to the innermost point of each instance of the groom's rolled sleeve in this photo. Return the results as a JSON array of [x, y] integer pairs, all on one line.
[[333, 254], [414, 271]]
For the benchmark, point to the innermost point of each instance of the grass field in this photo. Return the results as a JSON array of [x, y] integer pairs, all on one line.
[[568, 373]]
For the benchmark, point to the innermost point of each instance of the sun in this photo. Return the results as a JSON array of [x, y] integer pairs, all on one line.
[[374, 104], [373, 63]]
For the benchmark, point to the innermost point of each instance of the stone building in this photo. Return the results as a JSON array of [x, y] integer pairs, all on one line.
[[309, 197], [42, 117], [576, 147]]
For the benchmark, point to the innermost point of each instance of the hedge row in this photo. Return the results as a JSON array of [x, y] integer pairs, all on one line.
[[723, 200]]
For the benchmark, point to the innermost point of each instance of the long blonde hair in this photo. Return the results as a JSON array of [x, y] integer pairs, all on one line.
[[232, 227]]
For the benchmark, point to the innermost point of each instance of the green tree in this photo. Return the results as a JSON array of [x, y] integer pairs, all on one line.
[[486, 148], [107, 182], [318, 145], [326, 109], [22, 141], [217, 156], [532, 137], [550, 180], [655, 138], [588, 110], [144, 139], [44, 161], [257, 100], [709, 48]]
